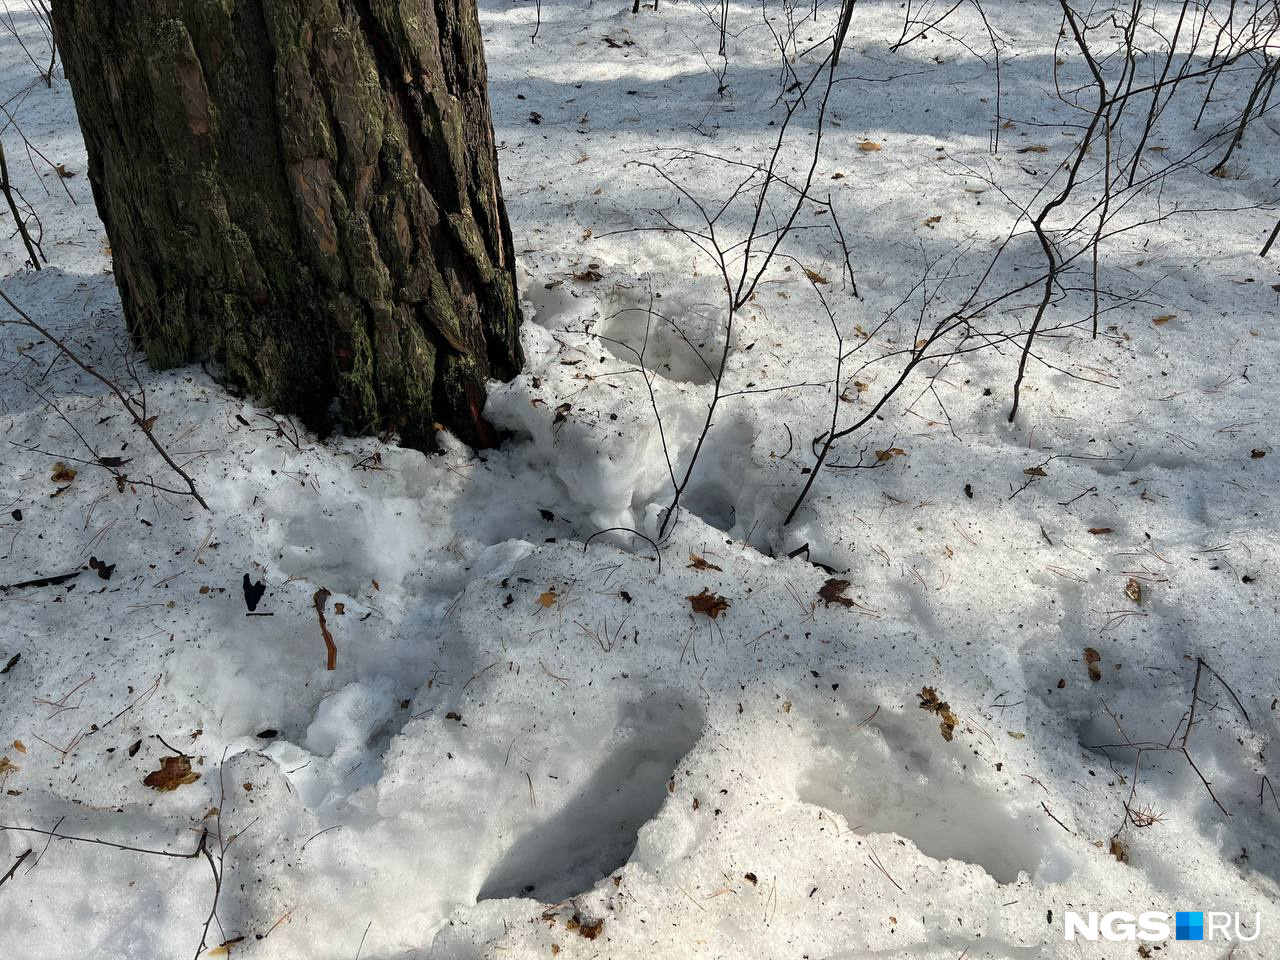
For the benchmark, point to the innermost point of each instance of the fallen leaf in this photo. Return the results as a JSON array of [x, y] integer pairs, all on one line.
[[1133, 590], [869, 146], [833, 592], [930, 221], [19, 746], [1091, 658], [1257, 454], [590, 275], [1034, 148], [549, 598], [1098, 531], [698, 563], [929, 700], [708, 603], [63, 172], [1119, 849], [7, 767], [1163, 319], [174, 772], [885, 455], [62, 473], [814, 276], [320, 598], [105, 570], [590, 929], [1035, 472]]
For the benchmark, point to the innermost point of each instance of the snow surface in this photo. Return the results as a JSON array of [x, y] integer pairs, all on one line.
[[525, 735]]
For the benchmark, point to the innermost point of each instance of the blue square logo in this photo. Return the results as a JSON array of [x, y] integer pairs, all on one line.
[[1189, 925]]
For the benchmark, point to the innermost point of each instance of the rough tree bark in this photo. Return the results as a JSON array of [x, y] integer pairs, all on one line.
[[306, 193]]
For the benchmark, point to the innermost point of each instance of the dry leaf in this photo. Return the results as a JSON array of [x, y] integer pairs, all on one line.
[[833, 592], [1097, 531], [1119, 849], [1034, 148], [549, 598], [869, 146], [930, 221], [929, 700], [19, 746], [1091, 658], [1133, 590], [590, 929], [590, 275], [885, 455], [62, 473], [1162, 320], [1035, 472], [708, 603], [7, 767], [174, 772], [698, 563], [815, 276]]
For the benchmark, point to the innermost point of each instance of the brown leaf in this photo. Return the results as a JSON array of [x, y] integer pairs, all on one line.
[[320, 598], [832, 592], [19, 746], [929, 700], [698, 563], [1091, 658], [815, 276], [1133, 590], [1034, 148], [883, 456], [590, 275], [1098, 531], [708, 603], [869, 146], [174, 772], [63, 172], [1163, 319], [1119, 849], [930, 221], [562, 413], [1257, 454], [1035, 472], [590, 929], [549, 598], [62, 473]]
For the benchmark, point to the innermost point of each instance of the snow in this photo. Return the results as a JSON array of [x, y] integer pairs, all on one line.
[[530, 727]]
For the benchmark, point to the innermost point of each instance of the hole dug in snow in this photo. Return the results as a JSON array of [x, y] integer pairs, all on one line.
[[886, 778], [594, 834], [675, 341]]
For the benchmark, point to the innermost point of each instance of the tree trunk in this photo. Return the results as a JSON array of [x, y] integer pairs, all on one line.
[[306, 193]]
